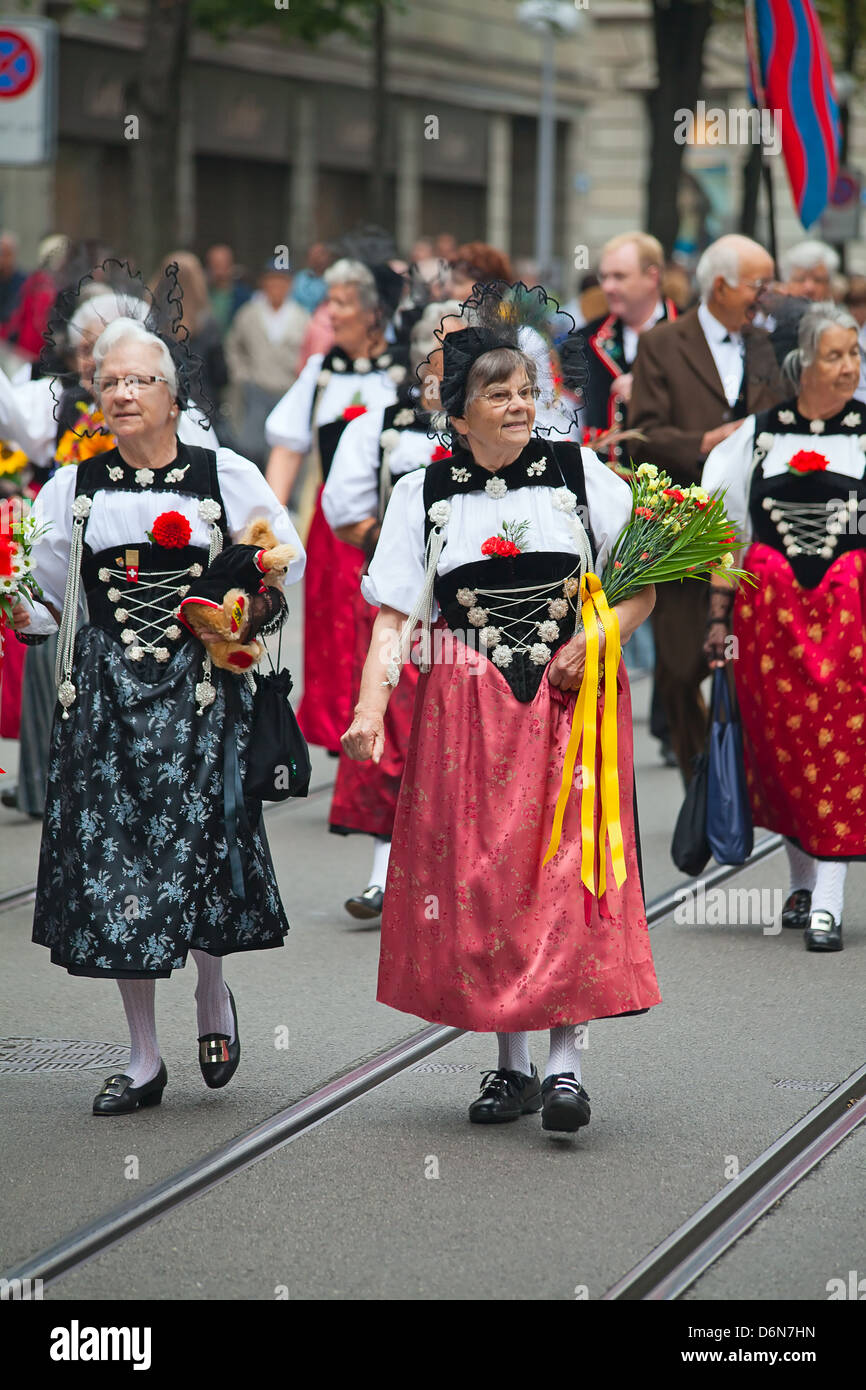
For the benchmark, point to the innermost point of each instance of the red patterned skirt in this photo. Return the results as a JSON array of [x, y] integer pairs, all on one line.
[[475, 933], [331, 582], [801, 684], [12, 654], [365, 794]]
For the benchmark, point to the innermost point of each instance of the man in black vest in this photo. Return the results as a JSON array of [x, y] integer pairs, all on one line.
[[630, 271]]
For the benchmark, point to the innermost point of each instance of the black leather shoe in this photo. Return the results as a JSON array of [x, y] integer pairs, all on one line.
[[217, 1057], [566, 1104], [366, 905], [505, 1095], [9, 797], [118, 1095], [797, 909], [823, 933]]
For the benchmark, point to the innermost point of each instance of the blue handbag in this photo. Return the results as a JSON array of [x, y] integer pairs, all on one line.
[[729, 817]]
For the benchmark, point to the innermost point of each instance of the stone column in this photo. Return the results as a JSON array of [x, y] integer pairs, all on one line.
[[302, 207], [499, 181], [409, 128]]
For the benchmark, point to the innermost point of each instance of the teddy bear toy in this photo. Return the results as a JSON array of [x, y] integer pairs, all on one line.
[[237, 595]]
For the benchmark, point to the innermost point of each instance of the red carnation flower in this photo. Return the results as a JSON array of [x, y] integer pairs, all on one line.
[[808, 461], [440, 453], [353, 411], [7, 550], [675, 493], [171, 530]]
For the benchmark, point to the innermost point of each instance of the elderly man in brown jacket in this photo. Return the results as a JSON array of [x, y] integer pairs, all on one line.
[[695, 380]]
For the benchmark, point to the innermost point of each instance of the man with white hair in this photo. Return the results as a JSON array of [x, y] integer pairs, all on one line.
[[808, 269], [695, 380]]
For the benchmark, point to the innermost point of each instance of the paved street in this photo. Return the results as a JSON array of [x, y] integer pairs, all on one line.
[[398, 1196]]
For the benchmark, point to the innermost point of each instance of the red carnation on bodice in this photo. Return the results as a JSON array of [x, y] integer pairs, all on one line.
[[353, 411], [171, 530], [808, 461], [440, 452]]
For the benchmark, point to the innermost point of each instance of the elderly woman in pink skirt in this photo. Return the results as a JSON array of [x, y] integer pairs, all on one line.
[[475, 932]]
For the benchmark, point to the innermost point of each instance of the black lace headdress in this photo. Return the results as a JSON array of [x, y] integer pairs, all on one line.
[[500, 315], [111, 291]]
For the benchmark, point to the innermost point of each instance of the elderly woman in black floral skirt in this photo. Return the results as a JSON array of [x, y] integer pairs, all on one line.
[[149, 850]]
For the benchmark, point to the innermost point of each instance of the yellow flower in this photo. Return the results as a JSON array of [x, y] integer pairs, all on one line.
[[647, 470], [698, 494], [11, 460], [676, 528], [727, 561]]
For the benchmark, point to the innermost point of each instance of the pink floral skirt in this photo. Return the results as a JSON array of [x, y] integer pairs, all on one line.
[[475, 933]]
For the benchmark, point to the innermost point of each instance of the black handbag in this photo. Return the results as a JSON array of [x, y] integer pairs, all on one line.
[[278, 759], [690, 848]]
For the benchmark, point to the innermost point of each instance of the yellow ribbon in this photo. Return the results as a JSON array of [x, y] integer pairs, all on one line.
[[594, 610]]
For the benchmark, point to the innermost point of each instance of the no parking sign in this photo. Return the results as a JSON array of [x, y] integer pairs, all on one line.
[[28, 105]]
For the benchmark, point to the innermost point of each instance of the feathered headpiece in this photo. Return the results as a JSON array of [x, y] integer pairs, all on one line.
[[111, 291], [500, 315]]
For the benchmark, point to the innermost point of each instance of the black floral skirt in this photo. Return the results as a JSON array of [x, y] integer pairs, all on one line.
[[148, 847]]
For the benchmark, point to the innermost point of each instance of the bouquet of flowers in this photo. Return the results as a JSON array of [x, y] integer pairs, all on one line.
[[674, 533], [17, 539]]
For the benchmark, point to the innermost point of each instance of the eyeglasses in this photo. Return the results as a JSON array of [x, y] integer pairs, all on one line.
[[758, 285], [107, 385], [500, 397]]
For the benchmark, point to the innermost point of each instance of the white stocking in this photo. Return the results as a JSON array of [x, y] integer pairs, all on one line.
[[565, 1049], [139, 1002], [212, 1003], [514, 1053]]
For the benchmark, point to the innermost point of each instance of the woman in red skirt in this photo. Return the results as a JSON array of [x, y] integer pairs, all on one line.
[[360, 373], [475, 932], [795, 484]]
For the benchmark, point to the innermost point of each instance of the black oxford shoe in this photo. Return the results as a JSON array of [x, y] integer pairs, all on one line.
[[566, 1104], [366, 905], [119, 1097], [505, 1095], [797, 909], [823, 933], [218, 1058]]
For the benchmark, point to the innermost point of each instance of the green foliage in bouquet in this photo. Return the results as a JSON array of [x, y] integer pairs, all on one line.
[[674, 533]]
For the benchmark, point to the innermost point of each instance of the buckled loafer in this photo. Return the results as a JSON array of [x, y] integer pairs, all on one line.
[[119, 1097], [505, 1095], [566, 1104], [823, 933], [797, 909], [218, 1058], [366, 905]]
